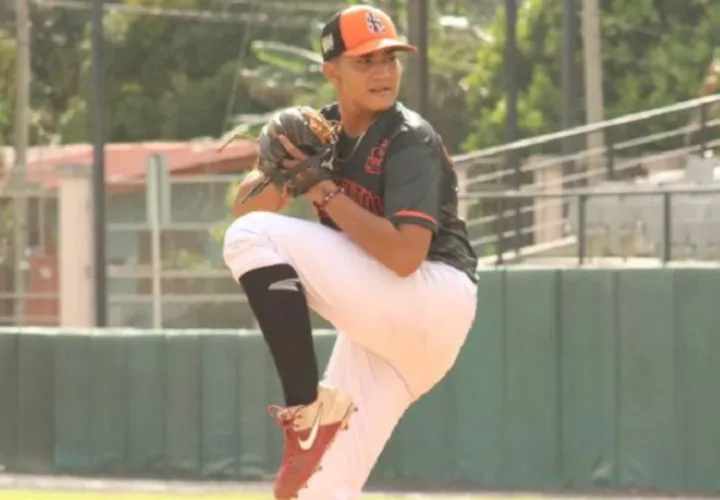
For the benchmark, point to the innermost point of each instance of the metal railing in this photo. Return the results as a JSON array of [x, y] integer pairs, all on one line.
[[583, 196], [634, 146], [701, 104]]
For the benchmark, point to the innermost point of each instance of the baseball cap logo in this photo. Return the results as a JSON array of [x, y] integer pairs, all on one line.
[[375, 25], [359, 30]]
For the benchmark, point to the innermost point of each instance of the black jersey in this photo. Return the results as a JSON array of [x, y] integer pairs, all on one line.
[[400, 169]]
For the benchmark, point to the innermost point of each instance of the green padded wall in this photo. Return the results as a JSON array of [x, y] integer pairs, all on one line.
[[9, 340], [480, 389], [647, 431], [588, 371], [219, 388], [182, 419], [697, 337], [570, 378], [145, 375], [531, 423], [109, 398], [73, 444], [35, 401]]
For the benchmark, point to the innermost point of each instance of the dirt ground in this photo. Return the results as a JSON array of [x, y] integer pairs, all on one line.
[[35, 487]]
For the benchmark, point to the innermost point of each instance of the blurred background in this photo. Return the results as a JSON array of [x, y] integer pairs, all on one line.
[[585, 134], [142, 91]]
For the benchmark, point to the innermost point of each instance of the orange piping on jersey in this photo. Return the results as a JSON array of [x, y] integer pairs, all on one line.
[[414, 213]]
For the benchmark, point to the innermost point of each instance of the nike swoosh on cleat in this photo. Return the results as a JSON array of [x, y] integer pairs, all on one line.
[[306, 444]]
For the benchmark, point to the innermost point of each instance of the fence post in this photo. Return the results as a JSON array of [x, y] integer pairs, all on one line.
[[517, 223], [667, 230], [703, 129], [500, 233], [610, 153], [514, 163], [157, 213], [75, 266], [582, 200]]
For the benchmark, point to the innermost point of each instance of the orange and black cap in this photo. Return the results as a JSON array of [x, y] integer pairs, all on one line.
[[360, 30]]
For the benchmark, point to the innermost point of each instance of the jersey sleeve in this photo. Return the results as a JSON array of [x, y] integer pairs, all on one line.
[[413, 181]]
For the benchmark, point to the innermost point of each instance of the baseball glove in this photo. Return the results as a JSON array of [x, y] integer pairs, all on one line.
[[313, 134]]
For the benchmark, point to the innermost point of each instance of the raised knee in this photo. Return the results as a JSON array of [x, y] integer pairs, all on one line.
[[249, 226], [244, 231], [253, 222], [247, 240]]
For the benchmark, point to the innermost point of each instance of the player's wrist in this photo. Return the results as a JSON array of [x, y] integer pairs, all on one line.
[[326, 195], [320, 190]]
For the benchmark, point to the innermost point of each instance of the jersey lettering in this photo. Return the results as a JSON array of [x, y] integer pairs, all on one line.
[[374, 162], [401, 170], [360, 195]]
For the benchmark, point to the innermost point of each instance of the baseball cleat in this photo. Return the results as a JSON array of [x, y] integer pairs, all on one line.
[[309, 431]]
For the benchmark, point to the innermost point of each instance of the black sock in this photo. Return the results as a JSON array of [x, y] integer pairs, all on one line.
[[278, 301]]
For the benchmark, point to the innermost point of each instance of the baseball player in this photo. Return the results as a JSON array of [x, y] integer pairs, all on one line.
[[388, 263]]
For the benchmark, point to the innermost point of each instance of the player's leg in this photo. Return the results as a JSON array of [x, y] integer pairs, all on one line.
[[382, 396], [416, 324], [311, 417]]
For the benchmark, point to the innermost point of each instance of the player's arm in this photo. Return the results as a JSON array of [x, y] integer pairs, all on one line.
[[268, 200], [401, 239]]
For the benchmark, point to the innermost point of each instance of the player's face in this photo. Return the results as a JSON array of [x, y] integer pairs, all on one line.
[[372, 80]]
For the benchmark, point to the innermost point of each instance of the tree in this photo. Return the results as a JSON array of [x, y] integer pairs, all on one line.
[[7, 91], [290, 74], [170, 78], [451, 64], [167, 78], [654, 54]]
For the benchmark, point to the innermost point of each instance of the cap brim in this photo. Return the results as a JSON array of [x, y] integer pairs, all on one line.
[[380, 44]]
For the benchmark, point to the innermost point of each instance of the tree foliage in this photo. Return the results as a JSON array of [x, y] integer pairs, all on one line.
[[292, 73], [166, 78], [7, 90], [170, 78], [654, 54]]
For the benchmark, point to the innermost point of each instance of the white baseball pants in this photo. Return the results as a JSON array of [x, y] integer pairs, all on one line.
[[398, 337]]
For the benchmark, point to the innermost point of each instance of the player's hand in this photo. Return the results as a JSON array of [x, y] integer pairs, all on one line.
[[296, 155], [315, 193]]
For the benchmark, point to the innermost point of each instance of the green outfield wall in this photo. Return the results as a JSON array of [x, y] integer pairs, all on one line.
[[571, 379]]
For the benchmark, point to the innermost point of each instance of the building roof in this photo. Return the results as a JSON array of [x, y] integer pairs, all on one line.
[[127, 161]]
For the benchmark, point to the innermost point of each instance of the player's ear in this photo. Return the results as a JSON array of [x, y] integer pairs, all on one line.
[[331, 71]]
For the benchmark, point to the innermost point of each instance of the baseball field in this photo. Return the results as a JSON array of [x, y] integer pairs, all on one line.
[[73, 495], [34, 495], [32, 487], [41, 487]]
